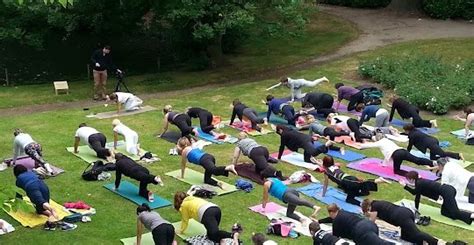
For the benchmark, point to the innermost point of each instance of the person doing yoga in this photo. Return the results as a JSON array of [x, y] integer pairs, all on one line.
[[131, 138], [425, 142], [205, 120], [394, 155], [353, 95], [37, 191], [349, 125], [434, 190], [452, 173], [241, 110], [354, 227], [23, 143], [277, 189], [398, 216], [468, 121], [258, 154], [316, 129], [296, 85], [129, 101], [407, 110], [162, 230], [94, 139], [181, 120], [322, 237], [373, 111], [295, 140], [207, 161], [321, 102], [126, 166], [281, 106], [207, 213], [351, 185]]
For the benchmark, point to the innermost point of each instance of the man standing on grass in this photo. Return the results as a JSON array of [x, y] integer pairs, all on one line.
[[101, 62]]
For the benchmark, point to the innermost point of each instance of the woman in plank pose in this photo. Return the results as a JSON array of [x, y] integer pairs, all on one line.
[[161, 229], [407, 110]]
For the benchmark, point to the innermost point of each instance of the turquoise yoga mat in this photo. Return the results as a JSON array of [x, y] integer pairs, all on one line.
[[130, 192]]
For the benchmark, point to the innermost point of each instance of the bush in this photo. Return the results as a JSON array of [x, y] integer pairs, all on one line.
[[425, 81], [359, 3], [444, 9]]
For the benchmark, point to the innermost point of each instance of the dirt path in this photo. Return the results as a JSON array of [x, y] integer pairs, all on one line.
[[378, 28]]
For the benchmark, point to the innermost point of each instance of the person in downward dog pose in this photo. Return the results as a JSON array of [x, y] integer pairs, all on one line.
[[407, 110], [353, 95], [95, 139], [281, 106], [321, 102]]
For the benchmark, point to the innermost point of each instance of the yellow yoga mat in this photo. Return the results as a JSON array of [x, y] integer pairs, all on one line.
[[32, 219]]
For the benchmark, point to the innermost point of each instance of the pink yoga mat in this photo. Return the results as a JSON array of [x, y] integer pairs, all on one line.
[[243, 126], [271, 207], [374, 166]]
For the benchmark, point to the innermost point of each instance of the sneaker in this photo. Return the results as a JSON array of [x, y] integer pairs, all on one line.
[[67, 226], [151, 197], [49, 226]]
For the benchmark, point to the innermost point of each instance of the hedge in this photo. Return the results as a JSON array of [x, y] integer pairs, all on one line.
[[359, 3], [444, 9]]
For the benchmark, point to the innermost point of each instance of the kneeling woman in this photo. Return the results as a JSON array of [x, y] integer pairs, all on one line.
[[288, 195], [181, 120], [161, 229], [199, 157], [204, 212], [351, 185], [205, 120]]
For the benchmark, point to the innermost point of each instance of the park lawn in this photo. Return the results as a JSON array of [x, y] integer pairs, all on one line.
[[323, 34], [115, 218]]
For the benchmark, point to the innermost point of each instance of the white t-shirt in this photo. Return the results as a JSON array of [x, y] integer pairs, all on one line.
[[123, 97], [341, 122], [84, 132], [457, 176], [124, 130]]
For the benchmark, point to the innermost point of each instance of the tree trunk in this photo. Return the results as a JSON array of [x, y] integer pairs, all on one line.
[[214, 52], [405, 6]]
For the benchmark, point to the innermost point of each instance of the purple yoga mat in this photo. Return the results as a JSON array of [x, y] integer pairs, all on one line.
[[30, 164], [374, 166], [343, 109]]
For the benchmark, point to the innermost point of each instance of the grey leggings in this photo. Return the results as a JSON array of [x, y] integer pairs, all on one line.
[[292, 197], [381, 119], [252, 115]]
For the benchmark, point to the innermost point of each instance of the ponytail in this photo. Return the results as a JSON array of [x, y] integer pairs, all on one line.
[[142, 208]]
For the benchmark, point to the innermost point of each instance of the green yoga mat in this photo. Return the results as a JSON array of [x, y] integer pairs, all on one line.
[[196, 178], [147, 239], [130, 192], [89, 155], [435, 214]]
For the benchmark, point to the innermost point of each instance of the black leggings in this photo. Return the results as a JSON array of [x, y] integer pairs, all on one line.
[[205, 121], [183, 122], [409, 231], [97, 143], [259, 156], [449, 208], [332, 133], [211, 220], [311, 151], [292, 197], [353, 187], [163, 234], [354, 100], [289, 114], [208, 162], [436, 152], [401, 155], [366, 232], [418, 122], [354, 127], [142, 175]]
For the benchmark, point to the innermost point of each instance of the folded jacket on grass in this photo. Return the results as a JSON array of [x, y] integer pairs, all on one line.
[[333, 195], [171, 136], [194, 229], [348, 155], [196, 178], [31, 218], [130, 192], [112, 114], [461, 133], [343, 109], [247, 170], [399, 123], [209, 137], [29, 163], [296, 159], [435, 214], [89, 155], [374, 166], [9, 228], [347, 140]]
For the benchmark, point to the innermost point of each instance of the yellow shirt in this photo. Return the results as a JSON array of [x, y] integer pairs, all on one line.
[[190, 210]]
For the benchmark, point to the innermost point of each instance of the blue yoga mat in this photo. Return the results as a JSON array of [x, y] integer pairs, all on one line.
[[130, 192], [400, 123], [333, 195], [349, 156], [207, 137]]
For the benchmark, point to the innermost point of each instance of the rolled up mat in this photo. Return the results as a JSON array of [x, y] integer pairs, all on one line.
[[171, 136], [112, 114], [196, 178], [130, 192], [348, 156], [247, 170], [89, 155], [29, 163], [399, 123], [374, 166], [333, 195]]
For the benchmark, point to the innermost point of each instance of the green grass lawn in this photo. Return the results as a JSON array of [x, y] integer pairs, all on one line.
[[323, 34], [115, 218]]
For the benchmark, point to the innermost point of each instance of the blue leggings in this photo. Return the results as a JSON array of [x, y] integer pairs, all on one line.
[[289, 114], [38, 193]]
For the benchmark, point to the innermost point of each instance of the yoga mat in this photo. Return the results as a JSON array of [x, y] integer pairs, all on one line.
[[420, 154], [247, 128], [147, 239], [29, 163], [348, 156], [333, 195], [7, 226], [343, 109], [276, 119], [130, 192], [399, 123], [210, 138], [461, 133], [194, 229], [112, 114], [463, 203], [90, 156], [399, 138], [171, 136], [347, 140], [374, 166], [32, 219], [196, 178], [247, 170], [296, 159], [435, 214]]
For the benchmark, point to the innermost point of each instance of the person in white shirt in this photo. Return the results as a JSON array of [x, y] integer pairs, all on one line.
[[339, 122], [23, 143], [94, 139], [131, 137], [395, 155], [455, 175], [129, 101], [297, 84]]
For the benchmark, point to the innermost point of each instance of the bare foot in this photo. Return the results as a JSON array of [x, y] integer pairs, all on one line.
[[343, 151], [461, 156], [352, 135], [160, 182], [434, 123], [382, 180], [231, 168], [316, 211]]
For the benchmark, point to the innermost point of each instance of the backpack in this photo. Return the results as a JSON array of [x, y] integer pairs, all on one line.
[[93, 173], [372, 96]]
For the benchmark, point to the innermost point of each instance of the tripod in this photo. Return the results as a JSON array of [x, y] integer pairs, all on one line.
[[120, 83]]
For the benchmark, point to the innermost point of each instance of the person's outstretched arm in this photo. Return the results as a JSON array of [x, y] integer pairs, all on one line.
[[325, 186], [282, 148], [232, 118], [266, 188], [184, 160], [118, 107], [77, 140], [392, 112], [165, 125], [410, 143], [118, 177], [469, 120], [16, 152], [139, 231], [236, 155], [115, 140], [372, 216]]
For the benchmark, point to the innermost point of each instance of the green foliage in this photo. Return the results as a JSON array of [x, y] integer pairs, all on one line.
[[425, 81], [444, 9], [359, 3], [9, 200]]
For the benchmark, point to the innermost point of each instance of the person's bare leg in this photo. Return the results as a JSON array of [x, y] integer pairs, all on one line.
[[434, 123], [380, 180]]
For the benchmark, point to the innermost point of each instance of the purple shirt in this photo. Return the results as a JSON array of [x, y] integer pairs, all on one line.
[[345, 92]]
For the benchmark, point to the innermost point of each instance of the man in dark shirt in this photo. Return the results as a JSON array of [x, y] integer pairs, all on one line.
[[101, 61]]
